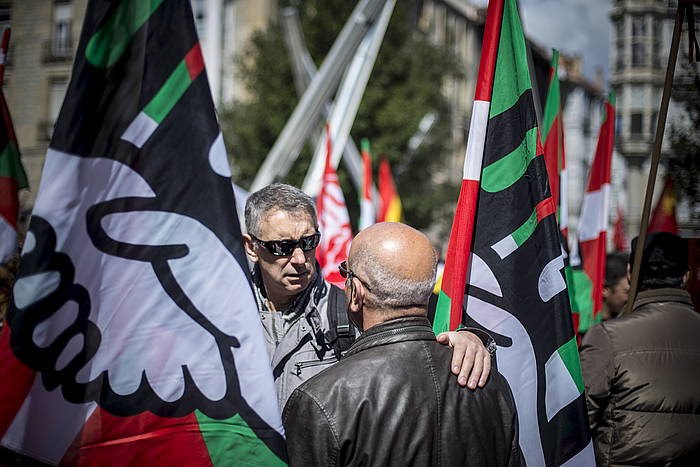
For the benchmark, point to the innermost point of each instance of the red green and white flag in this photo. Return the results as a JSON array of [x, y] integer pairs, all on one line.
[[12, 175], [506, 243], [553, 139], [368, 216], [333, 222], [587, 286], [389, 201], [132, 336]]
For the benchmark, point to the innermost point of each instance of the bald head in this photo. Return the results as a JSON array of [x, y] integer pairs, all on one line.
[[397, 261]]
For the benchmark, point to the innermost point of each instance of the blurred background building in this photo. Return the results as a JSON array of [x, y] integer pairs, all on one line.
[[46, 33]]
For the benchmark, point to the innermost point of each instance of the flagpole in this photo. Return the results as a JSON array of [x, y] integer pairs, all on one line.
[[655, 157]]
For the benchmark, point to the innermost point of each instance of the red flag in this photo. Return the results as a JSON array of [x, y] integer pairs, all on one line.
[[333, 222], [619, 237], [664, 217], [389, 201]]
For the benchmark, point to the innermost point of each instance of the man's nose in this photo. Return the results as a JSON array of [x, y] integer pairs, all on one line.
[[298, 256]]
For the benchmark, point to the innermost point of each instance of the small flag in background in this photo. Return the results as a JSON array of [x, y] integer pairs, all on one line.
[[593, 226], [12, 175], [367, 212], [516, 288], [619, 238], [663, 219], [389, 201], [554, 153], [333, 222], [133, 336]]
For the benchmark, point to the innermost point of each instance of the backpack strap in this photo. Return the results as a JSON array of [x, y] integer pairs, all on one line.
[[341, 333]]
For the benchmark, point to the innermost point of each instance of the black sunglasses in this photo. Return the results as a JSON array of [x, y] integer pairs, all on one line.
[[345, 272], [287, 247]]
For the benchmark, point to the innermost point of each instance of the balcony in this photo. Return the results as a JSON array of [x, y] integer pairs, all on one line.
[[57, 51]]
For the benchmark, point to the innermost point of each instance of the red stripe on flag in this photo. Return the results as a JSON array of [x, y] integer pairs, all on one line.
[[489, 51], [600, 170], [17, 380], [9, 203], [454, 277], [145, 439], [545, 208], [194, 61]]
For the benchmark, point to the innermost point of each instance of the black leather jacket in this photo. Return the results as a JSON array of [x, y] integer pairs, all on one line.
[[394, 401]]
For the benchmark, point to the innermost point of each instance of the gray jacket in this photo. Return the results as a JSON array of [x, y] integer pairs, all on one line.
[[300, 341]]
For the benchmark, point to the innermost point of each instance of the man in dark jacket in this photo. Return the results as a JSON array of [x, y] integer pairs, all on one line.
[[641, 371], [392, 400]]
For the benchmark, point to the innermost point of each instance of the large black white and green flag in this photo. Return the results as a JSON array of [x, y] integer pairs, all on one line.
[[516, 288], [133, 337]]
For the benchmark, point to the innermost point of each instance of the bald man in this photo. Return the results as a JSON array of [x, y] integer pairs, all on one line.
[[392, 400]]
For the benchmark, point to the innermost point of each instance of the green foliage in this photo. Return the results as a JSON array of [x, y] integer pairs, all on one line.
[[405, 85], [684, 165]]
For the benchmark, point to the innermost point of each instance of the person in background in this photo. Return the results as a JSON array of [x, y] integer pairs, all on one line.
[[640, 370], [616, 286]]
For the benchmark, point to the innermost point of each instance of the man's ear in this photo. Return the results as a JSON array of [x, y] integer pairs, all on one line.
[[606, 291], [357, 296], [250, 248], [686, 278]]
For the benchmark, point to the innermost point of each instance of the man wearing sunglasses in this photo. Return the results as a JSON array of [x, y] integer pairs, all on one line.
[[392, 399], [303, 316]]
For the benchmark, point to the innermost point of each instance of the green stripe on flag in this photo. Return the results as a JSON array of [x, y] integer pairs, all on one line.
[[441, 321], [233, 442], [11, 166], [524, 232], [169, 94], [552, 106], [508, 169], [111, 40], [580, 287], [569, 355], [511, 76]]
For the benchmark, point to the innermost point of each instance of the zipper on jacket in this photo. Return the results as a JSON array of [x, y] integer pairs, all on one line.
[[301, 365]]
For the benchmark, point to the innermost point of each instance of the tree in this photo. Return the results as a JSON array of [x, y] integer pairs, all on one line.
[[684, 164], [405, 85]]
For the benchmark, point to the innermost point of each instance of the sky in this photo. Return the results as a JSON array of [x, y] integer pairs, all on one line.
[[575, 27]]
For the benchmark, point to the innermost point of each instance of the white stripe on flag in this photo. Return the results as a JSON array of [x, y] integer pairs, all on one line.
[[40, 436], [140, 130], [8, 240], [477, 138], [584, 458], [560, 388], [217, 157], [594, 214], [563, 200], [551, 281], [367, 216], [505, 246]]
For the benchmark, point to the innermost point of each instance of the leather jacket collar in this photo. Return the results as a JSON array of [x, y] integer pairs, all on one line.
[[662, 295], [410, 328]]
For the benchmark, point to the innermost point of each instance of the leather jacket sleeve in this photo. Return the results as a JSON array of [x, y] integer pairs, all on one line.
[[311, 438], [597, 368]]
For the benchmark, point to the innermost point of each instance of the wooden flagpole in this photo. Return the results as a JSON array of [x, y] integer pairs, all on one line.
[[655, 157]]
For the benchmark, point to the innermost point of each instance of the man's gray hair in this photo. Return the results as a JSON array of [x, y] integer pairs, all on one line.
[[390, 291], [276, 197]]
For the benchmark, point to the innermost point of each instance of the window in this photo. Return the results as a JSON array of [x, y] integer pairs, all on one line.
[[639, 41], [4, 17], [57, 91], [620, 43], [652, 122], [636, 124], [658, 43], [62, 21]]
